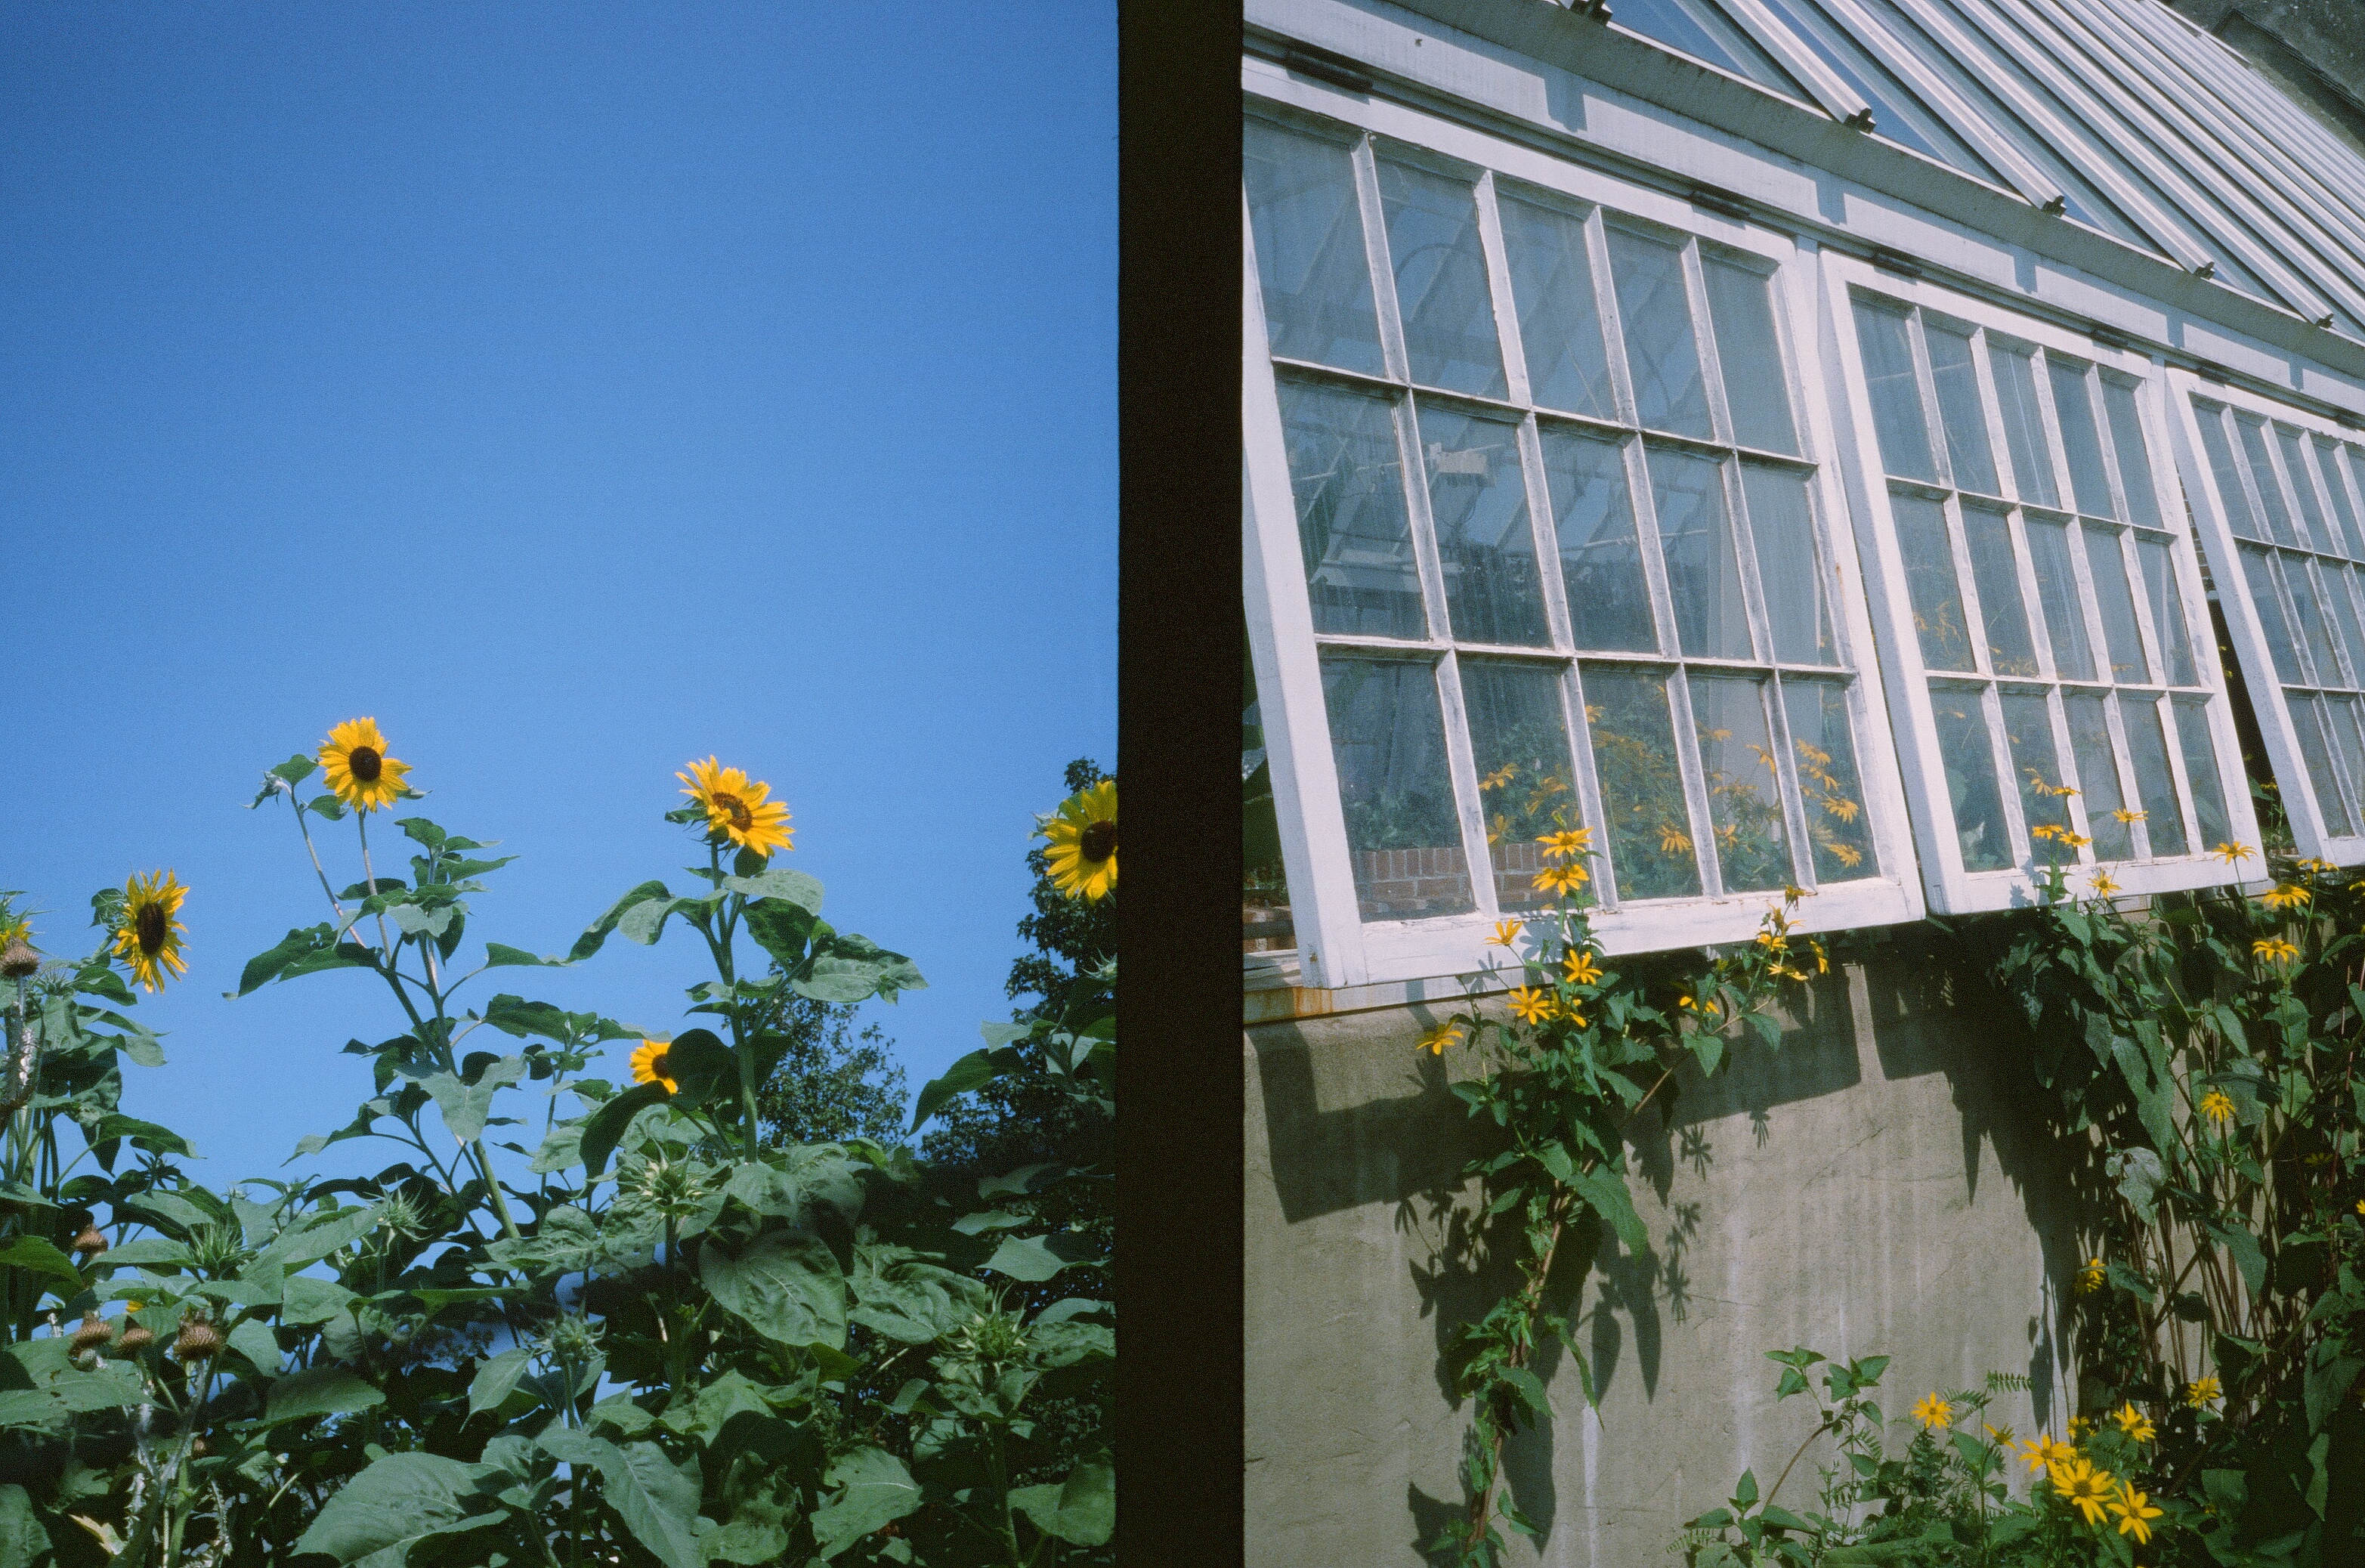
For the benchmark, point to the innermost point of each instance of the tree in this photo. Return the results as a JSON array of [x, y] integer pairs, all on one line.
[[832, 1083]]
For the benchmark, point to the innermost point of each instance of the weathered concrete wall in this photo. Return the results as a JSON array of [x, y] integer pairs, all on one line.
[[1881, 1184]]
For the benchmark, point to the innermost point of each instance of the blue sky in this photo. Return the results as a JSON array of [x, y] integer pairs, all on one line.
[[576, 389]]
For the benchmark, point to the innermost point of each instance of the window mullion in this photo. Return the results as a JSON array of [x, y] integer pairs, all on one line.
[[1785, 780], [1546, 533], [1589, 782], [1695, 777], [2122, 756], [1462, 764], [1375, 254]]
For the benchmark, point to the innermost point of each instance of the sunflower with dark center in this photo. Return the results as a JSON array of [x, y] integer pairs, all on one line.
[[149, 938], [738, 809], [357, 769], [649, 1065], [1082, 836]]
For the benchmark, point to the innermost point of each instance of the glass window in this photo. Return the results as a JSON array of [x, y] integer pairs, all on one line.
[[2263, 472], [2155, 783], [1896, 392], [2309, 714], [1347, 477], [1478, 501], [2238, 515], [1316, 274], [1560, 324], [1388, 740], [2004, 612], [1703, 578], [2135, 456], [1967, 749], [2351, 543], [1600, 556], [2074, 408], [2317, 536], [1750, 359], [1651, 846], [1518, 739], [2201, 773], [2098, 775], [2166, 602], [2057, 590], [1830, 788], [2266, 596], [1440, 274], [1265, 925], [1698, 29], [1960, 411], [2108, 568], [1798, 607], [2035, 762], [1743, 777], [2024, 425], [1656, 314], [1938, 618]]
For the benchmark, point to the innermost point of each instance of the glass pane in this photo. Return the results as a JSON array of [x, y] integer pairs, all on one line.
[[1560, 324], [2133, 454], [1478, 499], [2107, 567], [1264, 887], [1798, 603], [2307, 718], [1403, 836], [2258, 569], [2319, 537], [1895, 391], [2262, 474], [1756, 389], [2056, 594], [1702, 32], [1744, 792], [1441, 297], [1526, 783], [1353, 528], [2339, 716], [1316, 274], [2335, 582], [2036, 766], [2238, 516], [1838, 831], [2073, 410], [2307, 610], [1600, 559], [2023, 425], [1966, 423], [1641, 789], [2098, 775], [2327, 462], [2001, 611], [1969, 756], [2200, 773], [1897, 109], [2166, 602], [1657, 317], [2148, 749], [1696, 537], [1930, 582]]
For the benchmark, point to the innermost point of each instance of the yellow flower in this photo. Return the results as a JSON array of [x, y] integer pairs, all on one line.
[[150, 939], [1673, 841], [2042, 1451], [2217, 1106], [2234, 853], [356, 767], [2103, 886], [1778, 944], [737, 810], [2361, 1205], [2275, 950], [1567, 842], [15, 928], [2135, 1513], [1082, 834], [2001, 1435], [2126, 816], [2134, 1423], [2089, 1279], [1533, 1004], [1500, 776], [1561, 881], [1841, 807], [1505, 933], [2284, 895], [2079, 1427], [2083, 1488], [649, 1065], [2318, 868], [1822, 959], [1582, 969], [1444, 1035], [2201, 1392], [2075, 840], [1576, 1019], [1932, 1411]]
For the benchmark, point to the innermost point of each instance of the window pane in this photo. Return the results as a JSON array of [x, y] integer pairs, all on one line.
[[2134, 455], [2200, 773], [1895, 392], [1702, 32], [2036, 765], [2262, 474], [2319, 537], [1642, 791], [1966, 423], [1560, 325], [2238, 516], [1838, 831], [1798, 603], [2098, 775], [1657, 317], [2166, 602], [2023, 425], [2307, 718], [1930, 582], [1478, 499], [1970, 755], [2327, 462], [1264, 887], [1744, 792], [1352, 529], [1696, 534], [1311, 263], [2108, 570], [2335, 582], [2258, 569], [1441, 297], [2308, 610], [2073, 410], [2339, 716], [1526, 783], [2001, 611], [1756, 389], [1388, 738], [1600, 559], [2056, 594], [2154, 780]]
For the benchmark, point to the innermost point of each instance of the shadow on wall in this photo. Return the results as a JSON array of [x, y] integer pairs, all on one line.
[[1916, 1004]]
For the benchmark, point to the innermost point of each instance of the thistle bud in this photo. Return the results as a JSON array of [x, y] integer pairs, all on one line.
[[197, 1341], [93, 1334], [90, 1243], [135, 1338], [17, 959]]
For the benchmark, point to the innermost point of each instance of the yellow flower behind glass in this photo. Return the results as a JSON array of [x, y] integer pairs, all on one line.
[[2127, 816], [150, 939], [1932, 1411], [355, 765], [1500, 776], [2201, 1392], [1434, 1041], [2134, 1423], [1582, 969], [1082, 834], [1533, 1004], [738, 809], [2275, 950], [2083, 1488], [1566, 842], [1561, 881], [649, 1065], [1673, 841], [2217, 1106], [2135, 1513], [2089, 1279], [1505, 933]]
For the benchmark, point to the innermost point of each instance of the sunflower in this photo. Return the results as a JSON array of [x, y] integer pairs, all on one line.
[[1932, 1411], [1533, 1004], [2134, 1423], [736, 808], [356, 767], [649, 1065], [1582, 969], [2135, 1513], [1562, 879], [149, 938], [2284, 895], [2201, 1392], [2217, 1105], [1505, 933], [2083, 1488], [1082, 833], [1434, 1041], [2234, 853], [2275, 950], [1567, 842]]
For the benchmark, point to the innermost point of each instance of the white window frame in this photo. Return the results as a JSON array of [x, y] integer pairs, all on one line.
[[1336, 948], [1950, 887], [2293, 780]]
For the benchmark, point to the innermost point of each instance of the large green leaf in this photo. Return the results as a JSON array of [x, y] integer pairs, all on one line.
[[844, 968], [40, 1255], [1604, 1190], [911, 1300], [497, 1377], [786, 1287], [313, 945], [971, 1071], [320, 1235], [701, 1066], [780, 883], [22, 1541], [319, 1391], [874, 1490], [466, 1108], [656, 1495], [595, 935], [607, 1125], [1036, 1258], [398, 1501], [1082, 1509], [781, 929]]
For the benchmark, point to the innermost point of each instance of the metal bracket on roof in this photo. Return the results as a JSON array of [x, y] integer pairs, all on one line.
[[1896, 262], [1596, 10], [1324, 66], [1717, 201], [1860, 120], [2109, 336], [2325, 320], [2207, 268], [2056, 206]]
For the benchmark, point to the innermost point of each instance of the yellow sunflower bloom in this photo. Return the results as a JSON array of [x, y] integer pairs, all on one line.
[[2036, 1453], [1500, 776], [2103, 886], [1582, 969], [150, 939], [2217, 1106], [738, 807], [2235, 854], [355, 765], [2275, 950], [2284, 895], [1673, 841], [1533, 1004], [1505, 933], [1434, 1041], [1561, 881], [2134, 1423], [2135, 1513], [2202, 1390], [2126, 816], [2089, 1278], [1932, 1411], [2083, 1488], [1567, 842], [649, 1065], [1082, 834]]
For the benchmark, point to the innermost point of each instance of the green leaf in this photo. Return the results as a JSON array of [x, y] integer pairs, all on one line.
[[645, 921], [971, 1071], [500, 956], [41, 1257], [702, 1065], [320, 1235], [311, 1302], [845, 968], [596, 934], [398, 1501], [466, 1108], [1035, 1258], [302, 952], [254, 1340], [495, 1378], [22, 1541], [1081, 1510], [780, 882], [319, 1391], [606, 1126], [656, 1496], [786, 1287], [874, 1490], [910, 1300], [782, 928], [1604, 1190]]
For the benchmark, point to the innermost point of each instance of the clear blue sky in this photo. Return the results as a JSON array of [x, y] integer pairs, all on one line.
[[577, 389]]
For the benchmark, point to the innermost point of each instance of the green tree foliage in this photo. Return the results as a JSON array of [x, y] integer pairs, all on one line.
[[832, 1084]]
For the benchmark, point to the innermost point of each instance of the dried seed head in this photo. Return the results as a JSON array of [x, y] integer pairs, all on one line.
[[90, 1243], [197, 1341], [93, 1334], [135, 1338], [18, 960]]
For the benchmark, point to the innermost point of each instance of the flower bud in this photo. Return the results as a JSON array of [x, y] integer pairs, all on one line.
[[90, 1243], [18, 960], [135, 1338], [197, 1341], [93, 1334]]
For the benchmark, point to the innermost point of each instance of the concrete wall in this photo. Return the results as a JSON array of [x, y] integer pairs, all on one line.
[[1881, 1184]]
